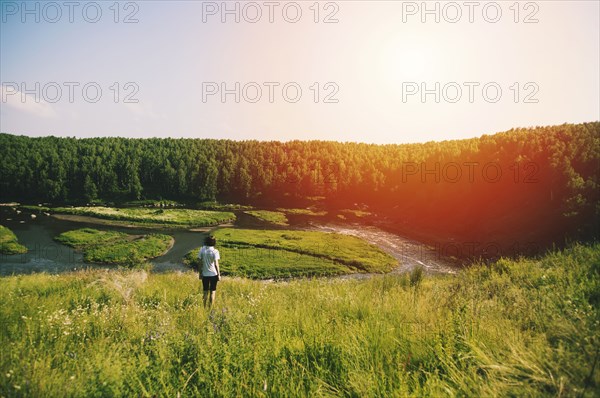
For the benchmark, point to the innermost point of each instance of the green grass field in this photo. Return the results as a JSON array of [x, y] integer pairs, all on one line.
[[110, 247], [168, 217], [222, 206], [153, 203], [261, 263], [303, 212], [9, 244], [353, 252], [525, 328], [127, 253], [283, 254], [274, 217], [86, 237]]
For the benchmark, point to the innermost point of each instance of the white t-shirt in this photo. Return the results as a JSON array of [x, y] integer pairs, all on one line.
[[209, 256]]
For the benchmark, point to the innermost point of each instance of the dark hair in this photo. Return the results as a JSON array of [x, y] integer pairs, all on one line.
[[210, 241]]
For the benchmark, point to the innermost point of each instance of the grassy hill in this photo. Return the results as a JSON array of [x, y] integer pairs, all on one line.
[[515, 328]]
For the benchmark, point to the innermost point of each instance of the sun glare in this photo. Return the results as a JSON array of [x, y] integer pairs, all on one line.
[[403, 60]]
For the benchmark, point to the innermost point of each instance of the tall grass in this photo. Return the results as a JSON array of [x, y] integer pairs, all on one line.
[[516, 328]]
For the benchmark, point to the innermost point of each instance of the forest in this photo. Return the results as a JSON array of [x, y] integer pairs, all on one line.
[[527, 187]]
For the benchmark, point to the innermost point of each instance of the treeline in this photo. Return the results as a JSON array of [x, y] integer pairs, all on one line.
[[537, 181]]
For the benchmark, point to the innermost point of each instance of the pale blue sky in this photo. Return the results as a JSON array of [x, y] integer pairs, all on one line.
[[371, 54]]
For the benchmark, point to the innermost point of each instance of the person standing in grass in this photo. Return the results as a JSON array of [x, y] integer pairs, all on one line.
[[210, 274]]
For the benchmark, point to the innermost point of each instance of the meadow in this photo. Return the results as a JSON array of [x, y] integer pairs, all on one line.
[[214, 205], [9, 244], [261, 263], [174, 218], [513, 328], [152, 203], [133, 253], [86, 237], [118, 248], [303, 212], [274, 217], [285, 253]]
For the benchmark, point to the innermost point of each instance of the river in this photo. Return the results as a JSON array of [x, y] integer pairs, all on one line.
[[409, 253], [46, 255]]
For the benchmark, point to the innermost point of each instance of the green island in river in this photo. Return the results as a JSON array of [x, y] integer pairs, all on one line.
[[9, 244], [141, 216], [108, 247]]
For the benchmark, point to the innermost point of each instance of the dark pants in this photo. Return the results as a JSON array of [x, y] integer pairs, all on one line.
[[209, 283]]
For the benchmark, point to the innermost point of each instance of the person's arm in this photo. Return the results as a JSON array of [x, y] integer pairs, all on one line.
[[217, 258], [200, 262]]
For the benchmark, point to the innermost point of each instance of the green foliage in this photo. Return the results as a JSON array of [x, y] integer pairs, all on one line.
[[152, 203], [525, 328], [169, 217], [9, 244], [274, 217], [89, 189], [416, 276]]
